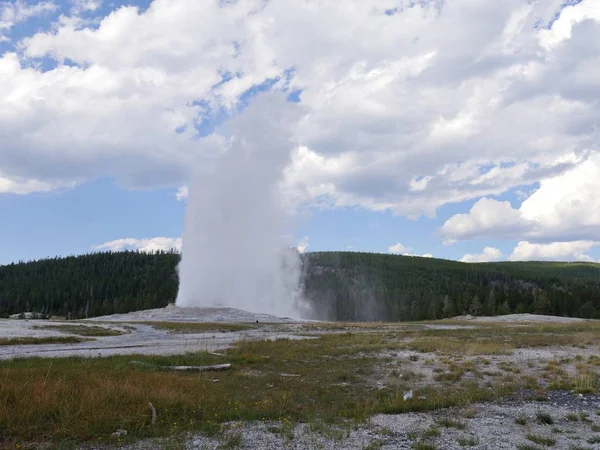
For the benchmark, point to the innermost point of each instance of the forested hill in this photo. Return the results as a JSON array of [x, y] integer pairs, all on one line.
[[371, 286], [340, 285]]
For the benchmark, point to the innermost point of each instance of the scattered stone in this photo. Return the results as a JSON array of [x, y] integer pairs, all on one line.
[[119, 433], [153, 409]]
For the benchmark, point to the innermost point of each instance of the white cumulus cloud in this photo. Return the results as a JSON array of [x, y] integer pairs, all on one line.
[[555, 251], [564, 208], [15, 12], [444, 102], [148, 245], [82, 6], [489, 254], [400, 249]]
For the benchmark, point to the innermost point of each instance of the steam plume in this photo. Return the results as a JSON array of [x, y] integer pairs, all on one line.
[[235, 251]]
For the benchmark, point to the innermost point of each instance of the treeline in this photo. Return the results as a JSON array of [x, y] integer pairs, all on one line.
[[89, 285], [339, 286], [371, 286]]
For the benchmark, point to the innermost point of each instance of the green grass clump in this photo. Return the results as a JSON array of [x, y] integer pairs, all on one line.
[[81, 330], [202, 327], [41, 340], [448, 422], [84, 399], [541, 440], [431, 433], [469, 441], [544, 418], [521, 420], [527, 447]]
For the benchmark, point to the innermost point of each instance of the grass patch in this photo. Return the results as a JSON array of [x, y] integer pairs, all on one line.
[[594, 440], [453, 346], [284, 429], [84, 398], [80, 330], [448, 422], [468, 413], [41, 340], [544, 418], [467, 441], [541, 440], [202, 327], [327, 430], [521, 420], [88, 398], [578, 417], [431, 432]]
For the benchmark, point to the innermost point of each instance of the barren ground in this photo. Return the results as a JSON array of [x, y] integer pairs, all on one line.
[[515, 382]]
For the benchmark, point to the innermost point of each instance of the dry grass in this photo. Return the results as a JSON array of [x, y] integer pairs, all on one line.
[[41, 340], [202, 327], [81, 330], [83, 399], [334, 379], [541, 440]]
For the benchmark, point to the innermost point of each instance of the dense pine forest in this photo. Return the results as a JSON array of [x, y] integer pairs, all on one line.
[[339, 285]]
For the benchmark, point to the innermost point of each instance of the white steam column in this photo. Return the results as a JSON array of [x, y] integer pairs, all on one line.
[[236, 239]]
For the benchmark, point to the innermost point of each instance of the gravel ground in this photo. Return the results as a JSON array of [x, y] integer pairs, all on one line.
[[488, 426], [16, 328], [139, 340]]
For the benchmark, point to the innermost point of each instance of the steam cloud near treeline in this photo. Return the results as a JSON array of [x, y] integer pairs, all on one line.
[[238, 233]]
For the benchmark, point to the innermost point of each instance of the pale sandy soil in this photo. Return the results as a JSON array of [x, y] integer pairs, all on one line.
[[522, 318], [175, 314], [146, 340]]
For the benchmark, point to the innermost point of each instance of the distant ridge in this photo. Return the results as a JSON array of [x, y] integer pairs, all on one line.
[[339, 285]]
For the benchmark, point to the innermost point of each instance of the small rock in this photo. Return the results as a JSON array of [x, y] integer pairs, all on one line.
[[119, 433]]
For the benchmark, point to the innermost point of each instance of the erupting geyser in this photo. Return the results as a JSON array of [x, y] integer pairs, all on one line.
[[237, 248]]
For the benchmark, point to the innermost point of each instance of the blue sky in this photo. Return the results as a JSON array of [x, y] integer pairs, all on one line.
[[413, 139], [72, 221]]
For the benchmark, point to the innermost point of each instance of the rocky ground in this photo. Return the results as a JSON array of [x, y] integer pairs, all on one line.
[[560, 421], [557, 371]]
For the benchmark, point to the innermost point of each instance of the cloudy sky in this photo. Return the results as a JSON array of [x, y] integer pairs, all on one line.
[[462, 129]]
